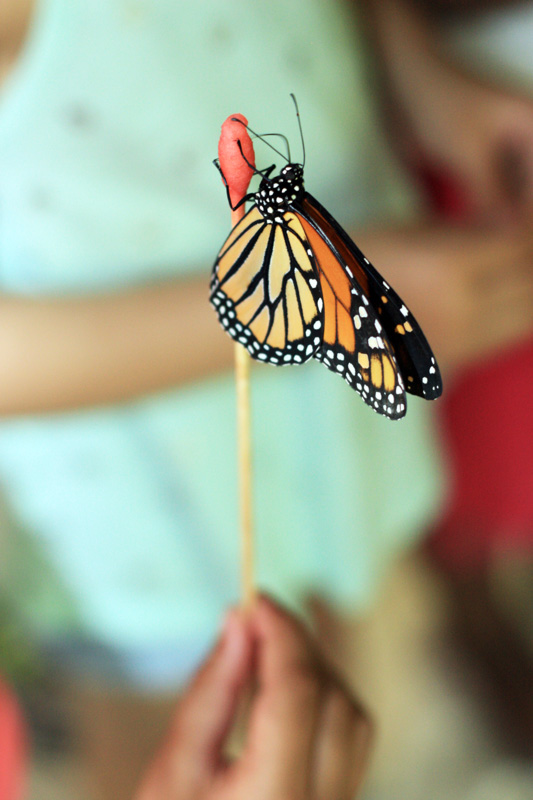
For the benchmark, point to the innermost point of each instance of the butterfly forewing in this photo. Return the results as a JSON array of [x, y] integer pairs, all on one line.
[[266, 292], [413, 353]]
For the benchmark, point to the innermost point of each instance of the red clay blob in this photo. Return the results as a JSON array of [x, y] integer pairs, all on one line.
[[236, 171]]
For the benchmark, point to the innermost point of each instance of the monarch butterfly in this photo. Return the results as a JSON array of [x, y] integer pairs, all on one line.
[[290, 284]]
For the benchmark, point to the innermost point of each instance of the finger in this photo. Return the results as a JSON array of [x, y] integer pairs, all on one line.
[[192, 753], [206, 709], [527, 163], [512, 167], [489, 184], [511, 163], [474, 169], [517, 150], [284, 712], [343, 747]]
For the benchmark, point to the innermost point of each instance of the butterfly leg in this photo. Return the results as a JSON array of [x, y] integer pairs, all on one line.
[[243, 200], [264, 173]]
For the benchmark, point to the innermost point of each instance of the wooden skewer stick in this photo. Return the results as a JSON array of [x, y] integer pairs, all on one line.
[[242, 375], [244, 455], [236, 158]]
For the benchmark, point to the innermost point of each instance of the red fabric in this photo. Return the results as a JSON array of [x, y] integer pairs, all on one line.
[[487, 422], [446, 196], [12, 747]]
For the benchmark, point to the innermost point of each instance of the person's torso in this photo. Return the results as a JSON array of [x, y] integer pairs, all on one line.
[[109, 124]]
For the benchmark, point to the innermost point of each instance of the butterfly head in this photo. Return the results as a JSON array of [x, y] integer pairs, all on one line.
[[276, 195], [292, 176]]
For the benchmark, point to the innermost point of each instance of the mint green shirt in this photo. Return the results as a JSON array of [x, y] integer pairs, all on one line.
[[124, 519]]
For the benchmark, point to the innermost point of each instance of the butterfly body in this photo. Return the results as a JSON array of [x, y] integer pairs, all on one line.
[[289, 284], [276, 195]]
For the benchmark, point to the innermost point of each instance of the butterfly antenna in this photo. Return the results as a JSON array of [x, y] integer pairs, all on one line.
[[282, 136], [260, 136], [300, 126]]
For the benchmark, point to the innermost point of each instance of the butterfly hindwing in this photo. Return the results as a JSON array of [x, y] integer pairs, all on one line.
[[413, 353], [354, 343], [266, 291]]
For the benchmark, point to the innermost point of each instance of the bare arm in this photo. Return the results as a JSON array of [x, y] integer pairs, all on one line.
[[471, 288], [60, 353], [65, 353], [14, 21], [305, 735]]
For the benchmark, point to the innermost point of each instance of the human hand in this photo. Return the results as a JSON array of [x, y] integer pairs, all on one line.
[[307, 739], [470, 289], [478, 136]]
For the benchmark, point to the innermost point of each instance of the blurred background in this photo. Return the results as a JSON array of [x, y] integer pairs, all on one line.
[[406, 546]]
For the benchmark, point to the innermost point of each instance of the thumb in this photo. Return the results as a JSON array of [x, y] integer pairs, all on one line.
[[206, 709], [192, 753]]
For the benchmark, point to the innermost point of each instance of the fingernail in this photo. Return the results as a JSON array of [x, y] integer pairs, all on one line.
[[233, 637]]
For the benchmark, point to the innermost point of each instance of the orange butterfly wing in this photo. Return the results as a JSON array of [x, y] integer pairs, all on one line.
[[413, 354], [354, 343]]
